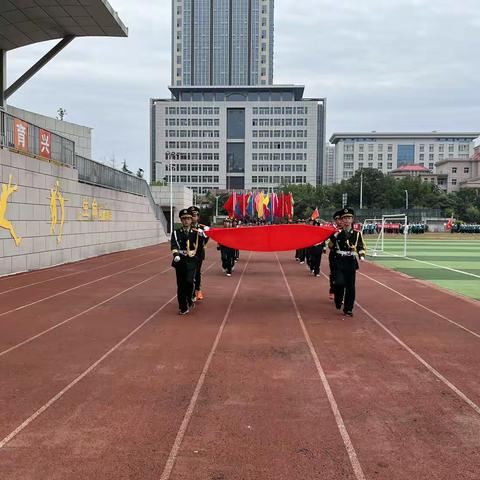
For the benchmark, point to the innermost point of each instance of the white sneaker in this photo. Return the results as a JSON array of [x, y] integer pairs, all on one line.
[[229, 274]]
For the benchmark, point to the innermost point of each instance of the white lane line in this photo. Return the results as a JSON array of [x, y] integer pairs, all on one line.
[[28, 340], [60, 394], [82, 285], [471, 332], [71, 274], [352, 455], [435, 265], [432, 370], [188, 414]]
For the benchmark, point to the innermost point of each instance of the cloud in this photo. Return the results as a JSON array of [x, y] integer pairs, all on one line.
[[381, 64]]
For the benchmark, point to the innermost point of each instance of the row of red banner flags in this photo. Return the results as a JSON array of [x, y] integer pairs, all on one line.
[[258, 204]]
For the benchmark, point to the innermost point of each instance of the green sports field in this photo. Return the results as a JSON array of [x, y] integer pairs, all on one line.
[[449, 262]]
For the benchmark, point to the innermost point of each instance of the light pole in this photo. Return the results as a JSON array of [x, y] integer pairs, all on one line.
[[361, 188], [406, 201], [171, 155], [217, 198]]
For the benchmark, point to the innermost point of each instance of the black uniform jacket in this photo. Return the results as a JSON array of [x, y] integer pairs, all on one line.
[[348, 245], [184, 240]]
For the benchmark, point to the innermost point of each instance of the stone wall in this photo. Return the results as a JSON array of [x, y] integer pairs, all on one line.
[[96, 220]]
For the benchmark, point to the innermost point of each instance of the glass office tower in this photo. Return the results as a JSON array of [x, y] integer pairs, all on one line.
[[222, 42]]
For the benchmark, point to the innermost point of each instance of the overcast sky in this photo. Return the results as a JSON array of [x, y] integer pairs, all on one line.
[[383, 65]]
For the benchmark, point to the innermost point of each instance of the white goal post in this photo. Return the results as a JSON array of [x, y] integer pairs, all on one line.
[[389, 222]]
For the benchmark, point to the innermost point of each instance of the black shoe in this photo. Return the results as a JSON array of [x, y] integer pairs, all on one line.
[[348, 313], [338, 307], [183, 312]]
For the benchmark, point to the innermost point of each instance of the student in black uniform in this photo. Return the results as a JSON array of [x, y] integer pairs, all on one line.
[[331, 255], [349, 246], [195, 213], [185, 244], [316, 252], [227, 254]]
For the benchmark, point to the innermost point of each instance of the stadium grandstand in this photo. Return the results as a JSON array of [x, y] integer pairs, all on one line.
[[57, 204]]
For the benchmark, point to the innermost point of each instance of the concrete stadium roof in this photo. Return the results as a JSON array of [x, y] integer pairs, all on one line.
[[25, 22]]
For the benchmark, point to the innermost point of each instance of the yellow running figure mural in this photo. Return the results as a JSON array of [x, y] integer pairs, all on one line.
[[7, 190], [56, 195]]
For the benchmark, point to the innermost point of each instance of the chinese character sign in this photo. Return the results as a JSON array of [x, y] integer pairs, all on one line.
[[45, 146], [96, 212], [21, 134]]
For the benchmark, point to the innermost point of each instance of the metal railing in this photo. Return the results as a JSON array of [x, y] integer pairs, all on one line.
[[95, 173], [62, 149]]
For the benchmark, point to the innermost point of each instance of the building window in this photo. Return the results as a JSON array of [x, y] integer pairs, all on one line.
[[454, 181], [466, 170], [454, 169], [431, 148]]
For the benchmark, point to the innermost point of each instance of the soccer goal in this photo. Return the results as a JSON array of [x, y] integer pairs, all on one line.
[[391, 236]]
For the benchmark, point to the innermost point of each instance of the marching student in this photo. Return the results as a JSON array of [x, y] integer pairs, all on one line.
[[316, 252], [227, 254], [349, 246], [195, 213], [331, 255], [185, 244]]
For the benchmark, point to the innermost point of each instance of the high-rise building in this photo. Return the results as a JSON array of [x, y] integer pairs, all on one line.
[[257, 137], [222, 42], [389, 151], [329, 168]]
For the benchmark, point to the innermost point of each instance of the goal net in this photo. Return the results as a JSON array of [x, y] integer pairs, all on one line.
[[386, 236]]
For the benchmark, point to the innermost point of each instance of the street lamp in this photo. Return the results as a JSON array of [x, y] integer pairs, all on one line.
[[217, 198], [170, 156], [406, 201]]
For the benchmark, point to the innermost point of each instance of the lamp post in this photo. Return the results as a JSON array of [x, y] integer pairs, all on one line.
[[406, 201], [170, 156], [217, 198], [361, 188]]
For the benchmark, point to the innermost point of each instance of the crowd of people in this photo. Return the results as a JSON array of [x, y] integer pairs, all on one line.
[[346, 246], [398, 228], [465, 228]]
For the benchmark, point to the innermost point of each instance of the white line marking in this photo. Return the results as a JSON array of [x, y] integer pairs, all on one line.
[[188, 414], [435, 265], [73, 273], [28, 340], [352, 455], [30, 419], [80, 286], [423, 362], [422, 306]]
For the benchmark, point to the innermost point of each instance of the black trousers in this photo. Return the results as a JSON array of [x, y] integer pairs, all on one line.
[[198, 275], [344, 288], [300, 254], [228, 259], [332, 264], [315, 261], [185, 270]]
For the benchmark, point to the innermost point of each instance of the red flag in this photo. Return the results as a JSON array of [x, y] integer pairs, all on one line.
[[315, 214], [271, 238], [281, 205], [229, 205]]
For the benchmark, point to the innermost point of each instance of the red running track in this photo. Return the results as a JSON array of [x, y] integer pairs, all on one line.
[[100, 378]]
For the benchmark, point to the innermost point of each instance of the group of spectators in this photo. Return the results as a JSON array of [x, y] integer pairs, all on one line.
[[399, 228], [465, 228]]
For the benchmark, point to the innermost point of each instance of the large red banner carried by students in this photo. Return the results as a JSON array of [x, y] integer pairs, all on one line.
[[271, 238]]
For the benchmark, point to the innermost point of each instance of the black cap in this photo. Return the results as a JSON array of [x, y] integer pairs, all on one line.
[[347, 212], [194, 210], [184, 212], [337, 214]]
